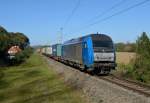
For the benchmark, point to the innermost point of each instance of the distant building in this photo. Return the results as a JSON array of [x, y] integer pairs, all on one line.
[[13, 51]]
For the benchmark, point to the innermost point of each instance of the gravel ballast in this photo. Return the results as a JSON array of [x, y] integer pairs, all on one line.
[[95, 89]]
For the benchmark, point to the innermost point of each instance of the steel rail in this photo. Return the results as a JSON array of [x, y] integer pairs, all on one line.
[[136, 87]]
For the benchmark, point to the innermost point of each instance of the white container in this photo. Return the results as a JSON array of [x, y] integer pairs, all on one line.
[[48, 50]]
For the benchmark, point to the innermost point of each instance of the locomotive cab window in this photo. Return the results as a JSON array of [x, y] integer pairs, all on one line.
[[105, 44], [85, 45]]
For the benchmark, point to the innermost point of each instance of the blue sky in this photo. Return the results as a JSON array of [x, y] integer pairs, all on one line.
[[41, 20]]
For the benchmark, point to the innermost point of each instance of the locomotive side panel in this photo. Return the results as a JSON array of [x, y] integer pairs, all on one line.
[[72, 52], [88, 54]]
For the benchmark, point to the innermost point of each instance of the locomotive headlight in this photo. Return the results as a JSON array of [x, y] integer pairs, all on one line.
[[110, 57]]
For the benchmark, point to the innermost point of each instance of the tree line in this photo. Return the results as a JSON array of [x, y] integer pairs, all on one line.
[[9, 39], [125, 47]]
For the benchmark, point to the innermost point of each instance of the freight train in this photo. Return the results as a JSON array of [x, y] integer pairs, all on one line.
[[94, 53]]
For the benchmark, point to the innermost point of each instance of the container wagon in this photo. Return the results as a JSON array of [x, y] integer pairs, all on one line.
[[56, 51], [43, 50], [48, 51]]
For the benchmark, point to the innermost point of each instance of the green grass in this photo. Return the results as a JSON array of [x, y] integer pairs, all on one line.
[[34, 82]]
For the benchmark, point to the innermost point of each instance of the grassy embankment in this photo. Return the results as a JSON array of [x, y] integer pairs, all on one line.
[[34, 82]]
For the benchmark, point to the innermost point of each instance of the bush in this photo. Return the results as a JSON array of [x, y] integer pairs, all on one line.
[[9, 39], [22, 56]]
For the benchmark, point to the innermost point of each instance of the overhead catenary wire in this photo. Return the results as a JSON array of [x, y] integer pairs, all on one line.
[[115, 14], [72, 13], [108, 10]]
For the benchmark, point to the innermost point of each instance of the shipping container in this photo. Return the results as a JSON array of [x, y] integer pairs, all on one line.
[[48, 50], [56, 50]]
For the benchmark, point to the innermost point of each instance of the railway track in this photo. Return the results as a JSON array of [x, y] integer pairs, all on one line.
[[130, 85], [127, 84]]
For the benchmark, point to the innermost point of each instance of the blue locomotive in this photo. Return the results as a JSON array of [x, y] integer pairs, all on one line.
[[93, 53]]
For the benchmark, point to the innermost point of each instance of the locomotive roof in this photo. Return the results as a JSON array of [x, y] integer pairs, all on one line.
[[101, 37]]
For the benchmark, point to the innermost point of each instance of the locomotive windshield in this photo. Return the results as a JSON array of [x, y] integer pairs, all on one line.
[[103, 44]]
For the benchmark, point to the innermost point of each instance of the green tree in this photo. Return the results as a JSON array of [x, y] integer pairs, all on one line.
[[143, 46], [125, 47], [142, 61], [18, 39], [4, 38]]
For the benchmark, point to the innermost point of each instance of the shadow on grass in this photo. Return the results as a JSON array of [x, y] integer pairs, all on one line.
[[19, 71], [34, 87], [3, 84], [2, 97], [1, 75], [38, 91], [38, 82], [23, 75], [33, 73], [51, 96]]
